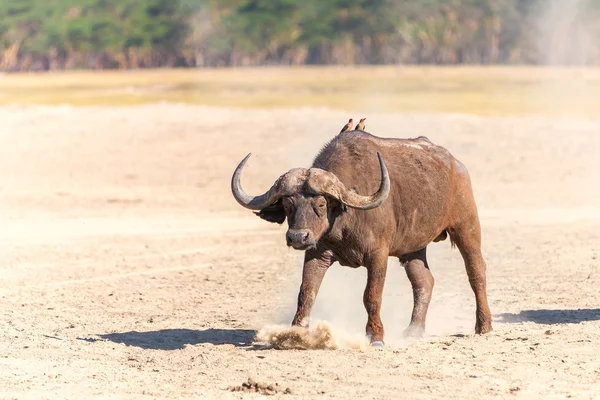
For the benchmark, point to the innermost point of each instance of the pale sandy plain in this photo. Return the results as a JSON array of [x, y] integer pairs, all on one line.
[[129, 272]]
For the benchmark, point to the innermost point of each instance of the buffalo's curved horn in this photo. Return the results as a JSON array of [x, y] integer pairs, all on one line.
[[252, 202], [355, 200], [327, 183]]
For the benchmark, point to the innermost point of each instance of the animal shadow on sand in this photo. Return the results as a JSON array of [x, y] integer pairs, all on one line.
[[174, 339], [549, 317]]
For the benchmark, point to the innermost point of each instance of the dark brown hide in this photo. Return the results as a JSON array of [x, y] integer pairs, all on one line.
[[430, 197]]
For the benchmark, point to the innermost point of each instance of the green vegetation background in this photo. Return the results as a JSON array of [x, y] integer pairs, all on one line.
[[103, 34]]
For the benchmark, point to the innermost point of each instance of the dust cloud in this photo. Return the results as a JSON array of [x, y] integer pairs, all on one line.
[[566, 38], [340, 307]]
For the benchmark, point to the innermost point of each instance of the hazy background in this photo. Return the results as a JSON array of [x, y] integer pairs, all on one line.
[[486, 57]]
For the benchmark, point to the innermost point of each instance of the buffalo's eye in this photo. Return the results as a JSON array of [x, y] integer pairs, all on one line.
[[287, 203], [320, 208]]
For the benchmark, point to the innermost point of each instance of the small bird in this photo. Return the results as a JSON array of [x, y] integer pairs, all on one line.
[[347, 127], [361, 125]]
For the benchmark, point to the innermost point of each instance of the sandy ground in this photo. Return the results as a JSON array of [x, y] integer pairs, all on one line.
[[128, 271]]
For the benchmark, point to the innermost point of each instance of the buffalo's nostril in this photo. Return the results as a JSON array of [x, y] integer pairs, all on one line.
[[297, 237]]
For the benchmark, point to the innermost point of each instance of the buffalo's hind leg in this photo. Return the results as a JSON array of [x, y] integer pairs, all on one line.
[[467, 237], [422, 283]]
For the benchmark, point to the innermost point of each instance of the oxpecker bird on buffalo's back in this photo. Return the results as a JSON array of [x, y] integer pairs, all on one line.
[[347, 127], [361, 125]]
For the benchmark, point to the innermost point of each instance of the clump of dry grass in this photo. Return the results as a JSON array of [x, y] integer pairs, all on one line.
[[473, 90], [321, 336]]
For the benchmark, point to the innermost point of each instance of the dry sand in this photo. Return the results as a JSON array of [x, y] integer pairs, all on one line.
[[128, 271]]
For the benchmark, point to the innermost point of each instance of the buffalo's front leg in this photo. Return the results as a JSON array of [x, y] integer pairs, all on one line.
[[316, 263], [376, 270]]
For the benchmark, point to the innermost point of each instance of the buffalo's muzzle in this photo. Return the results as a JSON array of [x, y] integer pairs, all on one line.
[[299, 239]]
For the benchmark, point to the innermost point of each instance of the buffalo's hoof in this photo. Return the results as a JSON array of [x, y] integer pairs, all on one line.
[[377, 343], [483, 329], [414, 331]]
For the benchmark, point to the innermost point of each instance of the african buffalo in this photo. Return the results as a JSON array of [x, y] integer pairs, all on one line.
[[331, 213]]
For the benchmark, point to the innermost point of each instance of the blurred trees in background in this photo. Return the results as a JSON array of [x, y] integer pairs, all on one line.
[[71, 34]]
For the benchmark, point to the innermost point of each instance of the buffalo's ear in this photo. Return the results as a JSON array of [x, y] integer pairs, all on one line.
[[336, 207], [273, 213]]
